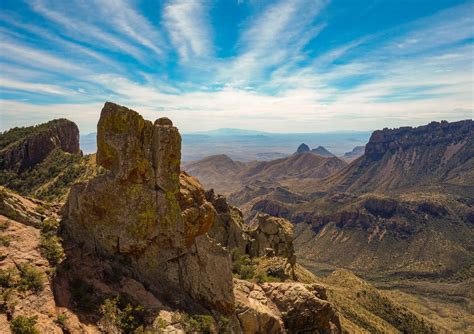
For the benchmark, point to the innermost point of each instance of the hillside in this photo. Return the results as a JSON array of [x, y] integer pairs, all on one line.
[[437, 155], [225, 175], [43, 160]]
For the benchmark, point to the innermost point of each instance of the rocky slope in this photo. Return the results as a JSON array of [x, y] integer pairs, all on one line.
[[43, 160], [154, 218], [439, 155]]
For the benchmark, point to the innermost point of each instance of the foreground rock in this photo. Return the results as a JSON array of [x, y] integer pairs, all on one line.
[[136, 213], [285, 307]]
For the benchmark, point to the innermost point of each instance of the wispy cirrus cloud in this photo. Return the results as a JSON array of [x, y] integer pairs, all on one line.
[[186, 23], [284, 71]]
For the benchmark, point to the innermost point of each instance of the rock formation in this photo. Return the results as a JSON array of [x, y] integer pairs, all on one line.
[[435, 133], [285, 307], [137, 213], [265, 236], [38, 144]]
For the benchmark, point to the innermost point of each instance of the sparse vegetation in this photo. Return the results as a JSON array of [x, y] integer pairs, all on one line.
[[50, 243], [5, 240], [119, 315], [194, 323], [244, 267], [61, 320], [31, 278], [52, 249], [24, 325]]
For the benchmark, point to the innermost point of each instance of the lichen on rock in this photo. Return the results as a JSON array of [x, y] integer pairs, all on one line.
[[137, 212]]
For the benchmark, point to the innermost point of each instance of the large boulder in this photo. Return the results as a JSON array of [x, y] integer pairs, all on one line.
[[284, 308], [137, 213], [303, 307]]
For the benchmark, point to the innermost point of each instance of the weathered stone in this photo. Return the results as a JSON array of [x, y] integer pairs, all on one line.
[[303, 307], [138, 212], [255, 312]]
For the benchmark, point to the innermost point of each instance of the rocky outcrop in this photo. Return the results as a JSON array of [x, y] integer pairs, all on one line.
[[265, 236], [37, 143], [435, 133], [145, 213], [271, 236], [284, 308]]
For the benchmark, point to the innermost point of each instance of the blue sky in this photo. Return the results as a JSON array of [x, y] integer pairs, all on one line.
[[279, 66]]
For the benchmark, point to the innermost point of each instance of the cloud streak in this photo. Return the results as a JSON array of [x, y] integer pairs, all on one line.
[[281, 77]]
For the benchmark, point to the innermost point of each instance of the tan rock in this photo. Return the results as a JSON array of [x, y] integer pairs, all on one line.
[[142, 212], [255, 312], [303, 308]]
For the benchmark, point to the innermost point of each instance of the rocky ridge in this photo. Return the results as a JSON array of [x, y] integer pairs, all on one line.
[[159, 221], [40, 141]]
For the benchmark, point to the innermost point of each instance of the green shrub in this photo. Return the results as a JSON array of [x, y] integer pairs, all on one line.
[[49, 225], [118, 314], [24, 325], [242, 265], [194, 323], [9, 277], [266, 278], [30, 278], [51, 248], [61, 320], [5, 240], [4, 225]]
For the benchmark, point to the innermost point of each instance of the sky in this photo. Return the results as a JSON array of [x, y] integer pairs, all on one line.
[[277, 66]]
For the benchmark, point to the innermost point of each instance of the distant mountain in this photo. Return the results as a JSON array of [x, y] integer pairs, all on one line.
[[229, 132], [355, 153], [88, 143], [303, 148], [248, 145], [320, 150], [226, 175]]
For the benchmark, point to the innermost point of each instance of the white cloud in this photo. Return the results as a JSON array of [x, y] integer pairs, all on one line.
[[188, 29]]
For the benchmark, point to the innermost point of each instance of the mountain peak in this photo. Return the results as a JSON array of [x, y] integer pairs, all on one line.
[[303, 148], [322, 151]]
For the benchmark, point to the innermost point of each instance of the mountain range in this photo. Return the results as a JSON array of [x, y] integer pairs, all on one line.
[[128, 239]]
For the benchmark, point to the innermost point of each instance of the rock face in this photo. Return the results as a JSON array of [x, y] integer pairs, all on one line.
[[273, 233], [303, 148], [38, 144], [265, 236], [285, 308], [383, 141], [143, 212]]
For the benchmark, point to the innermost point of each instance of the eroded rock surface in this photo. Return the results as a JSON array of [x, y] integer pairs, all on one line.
[[136, 212]]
